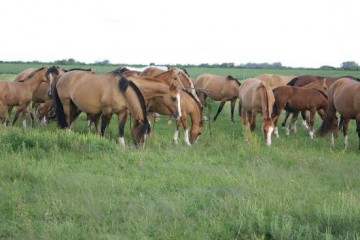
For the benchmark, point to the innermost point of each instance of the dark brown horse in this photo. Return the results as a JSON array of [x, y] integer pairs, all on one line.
[[101, 95], [218, 88], [20, 94], [256, 96], [297, 99], [344, 97], [306, 79]]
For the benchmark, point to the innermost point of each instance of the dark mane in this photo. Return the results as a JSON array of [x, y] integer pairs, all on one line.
[[78, 69], [193, 97], [321, 93], [351, 77], [294, 80], [52, 69], [184, 70], [31, 74], [229, 77]]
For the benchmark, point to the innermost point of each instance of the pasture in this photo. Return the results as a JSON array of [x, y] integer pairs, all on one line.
[[57, 184]]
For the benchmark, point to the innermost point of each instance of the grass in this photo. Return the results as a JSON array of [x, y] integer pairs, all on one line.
[[57, 184]]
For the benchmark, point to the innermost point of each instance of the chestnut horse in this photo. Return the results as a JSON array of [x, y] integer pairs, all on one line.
[[296, 99], [188, 108], [344, 97], [101, 95], [274, 80], [20, 94], [256, 96], [218, 88], [306, 79], [319, 85]]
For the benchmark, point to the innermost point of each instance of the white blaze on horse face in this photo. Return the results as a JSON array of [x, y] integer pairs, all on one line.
[[268, 136], [179, 104]]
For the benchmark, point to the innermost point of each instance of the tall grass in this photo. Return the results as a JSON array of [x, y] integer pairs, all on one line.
[[57, 184]]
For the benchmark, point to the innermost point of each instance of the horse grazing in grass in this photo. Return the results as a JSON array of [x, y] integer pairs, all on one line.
[[319, 85], [296, 99], [275, 80], [20, 94], [344, 97], [256, 96], [218, 88], [101, 95]]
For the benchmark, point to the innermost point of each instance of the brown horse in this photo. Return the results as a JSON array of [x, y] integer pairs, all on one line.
[[218, 88], [306, 79], [20, 94], [319, 85], [101, 95], [344, 97], [256, 96], [296, 99], [275, 80]]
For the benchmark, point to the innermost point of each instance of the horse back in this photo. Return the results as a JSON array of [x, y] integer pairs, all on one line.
[[344, 94]]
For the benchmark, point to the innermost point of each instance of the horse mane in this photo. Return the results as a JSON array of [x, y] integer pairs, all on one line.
[[229, 77], [351, 77], [124, 83], [184, 70], [52, 69], [31, 74], [193, 97], [78, 69], [292, 81], [322, 93]]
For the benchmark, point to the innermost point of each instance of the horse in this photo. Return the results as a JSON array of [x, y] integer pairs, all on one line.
[[296, 99], [20, 94], [256, 96], [102, 95], [319, 85], [344, 97], [218, 88], [275, 80], [306, 79]]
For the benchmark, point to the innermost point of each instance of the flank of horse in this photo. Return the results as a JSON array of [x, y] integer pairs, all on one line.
[[256, 96], [296, 99], [20, 94], [218, 88], [101, 95], [319, 85], [274, 80], [344, 97]]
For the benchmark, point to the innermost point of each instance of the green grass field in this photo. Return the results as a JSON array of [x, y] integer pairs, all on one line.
[[56, 184]]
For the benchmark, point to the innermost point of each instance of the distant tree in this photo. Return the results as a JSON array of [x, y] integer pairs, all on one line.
[[349, 65], [327, 67]]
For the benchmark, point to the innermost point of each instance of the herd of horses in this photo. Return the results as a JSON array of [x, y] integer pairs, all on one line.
[[64, 94]]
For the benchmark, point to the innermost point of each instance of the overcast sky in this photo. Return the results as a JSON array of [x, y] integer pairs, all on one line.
[[297, 33]]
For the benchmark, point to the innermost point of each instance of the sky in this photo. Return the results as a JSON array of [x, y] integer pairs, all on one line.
[[297, 33]]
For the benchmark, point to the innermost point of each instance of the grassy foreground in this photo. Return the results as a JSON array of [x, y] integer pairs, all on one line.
[[57, 184]]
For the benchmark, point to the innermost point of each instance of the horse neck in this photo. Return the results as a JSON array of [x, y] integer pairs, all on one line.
[[34, 82], [195, 113]]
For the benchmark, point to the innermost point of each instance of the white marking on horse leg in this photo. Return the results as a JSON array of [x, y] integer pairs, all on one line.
[[121, 141], [24, 123], [304, 123], [276, 131], [186, 137], [268, 136], [311, 134], [179, 103], [176, 136], [345, 140], [43, 121], [332, 143], [287, 130]]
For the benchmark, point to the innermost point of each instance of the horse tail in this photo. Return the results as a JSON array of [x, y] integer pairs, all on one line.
[[59, 110], [265, 103], [329, 120], [124, 84]]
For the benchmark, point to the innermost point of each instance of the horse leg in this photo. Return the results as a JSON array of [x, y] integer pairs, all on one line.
[[17, 112], [221, 105], [122, 117], [3, 112], [283, 124], [9, 111], [305, 120], [253, 121], [311, 123], [233, 102], [186, 130], [176, 133], [345, 130], [292, 125], [358, 127]]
